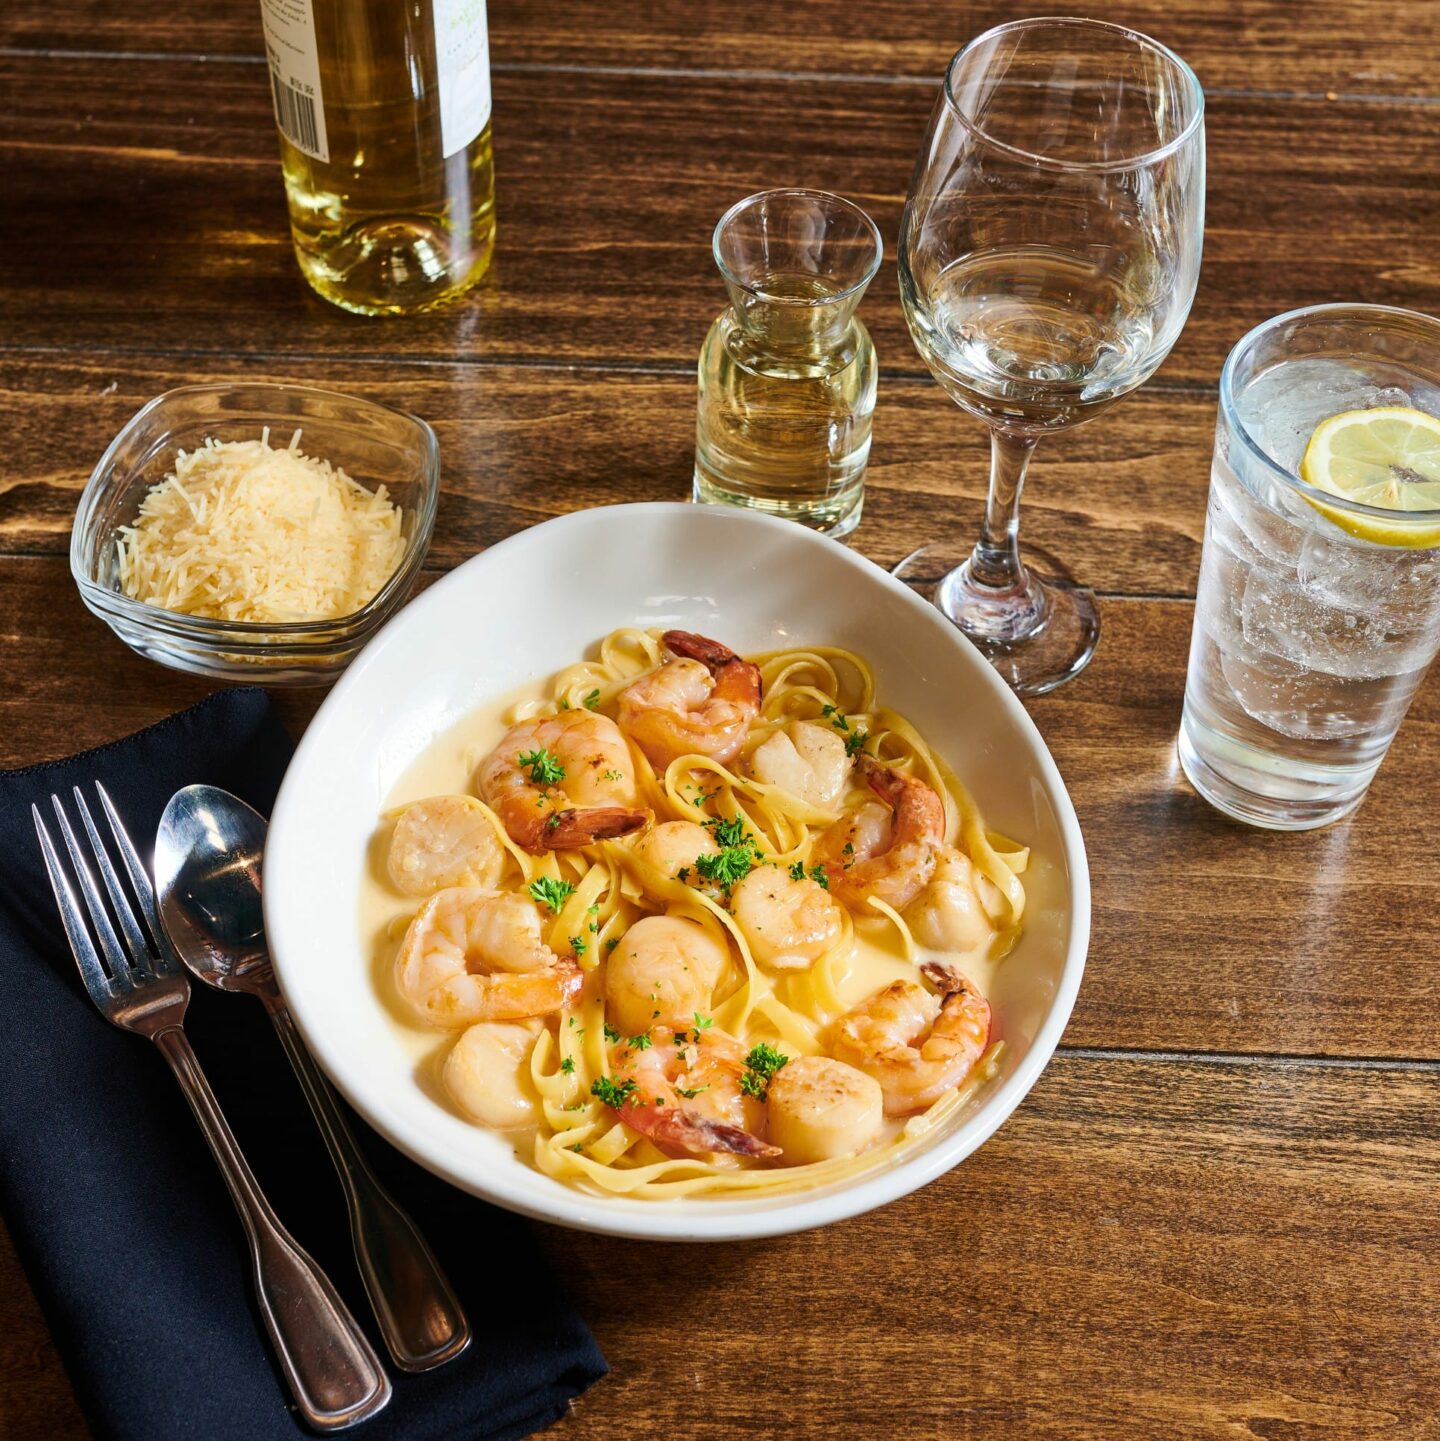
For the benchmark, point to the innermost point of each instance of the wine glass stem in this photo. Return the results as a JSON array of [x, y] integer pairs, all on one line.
[[996, 561]]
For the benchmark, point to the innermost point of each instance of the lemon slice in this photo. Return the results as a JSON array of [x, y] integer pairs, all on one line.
[[1388, 457]]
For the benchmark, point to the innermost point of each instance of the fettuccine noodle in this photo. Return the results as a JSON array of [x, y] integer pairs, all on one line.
[[579, 1140]]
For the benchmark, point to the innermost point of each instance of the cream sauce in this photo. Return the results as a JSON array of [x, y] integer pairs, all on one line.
[[447, 767]]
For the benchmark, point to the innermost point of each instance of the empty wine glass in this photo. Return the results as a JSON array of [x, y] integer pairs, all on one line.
[[1048, 257]]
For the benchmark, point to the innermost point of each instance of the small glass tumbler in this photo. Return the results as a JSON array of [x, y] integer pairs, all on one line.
[[1316, 617], [787, 372]]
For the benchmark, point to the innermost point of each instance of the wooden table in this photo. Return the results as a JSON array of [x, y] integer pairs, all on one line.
[[1217, 1214]]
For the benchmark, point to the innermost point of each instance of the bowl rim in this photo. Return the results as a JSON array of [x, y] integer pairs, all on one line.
[[685, 1220], [252, 635]]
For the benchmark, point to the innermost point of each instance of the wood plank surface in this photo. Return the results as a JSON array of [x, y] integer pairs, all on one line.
[[1122, 499], [1207, 935], [1215, 1215], [608, 189], [1354, 46], [1149, 1249]]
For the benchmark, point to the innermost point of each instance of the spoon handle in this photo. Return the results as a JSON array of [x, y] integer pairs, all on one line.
[[334, 1376], [420, 1318]]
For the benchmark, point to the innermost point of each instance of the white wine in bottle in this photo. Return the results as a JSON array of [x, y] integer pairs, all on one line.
[[383, 108]]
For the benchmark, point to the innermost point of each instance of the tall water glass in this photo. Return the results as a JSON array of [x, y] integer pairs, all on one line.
[[1048, 256], [1316, 616]]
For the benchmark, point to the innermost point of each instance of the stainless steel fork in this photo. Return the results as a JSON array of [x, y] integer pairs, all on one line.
[[333, 1372]]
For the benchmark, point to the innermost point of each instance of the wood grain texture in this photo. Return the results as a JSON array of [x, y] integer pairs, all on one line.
[[1121, 500], [169, 197], [1181, 1233], [1148, 1249], [1207, 935], [1341, 45]]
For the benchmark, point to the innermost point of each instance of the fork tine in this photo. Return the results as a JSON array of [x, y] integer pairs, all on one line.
[[136, 945], [81, 946], [134, 868], [109, 942]]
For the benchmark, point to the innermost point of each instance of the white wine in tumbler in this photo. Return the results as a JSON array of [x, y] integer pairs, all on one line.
[[384, 118]]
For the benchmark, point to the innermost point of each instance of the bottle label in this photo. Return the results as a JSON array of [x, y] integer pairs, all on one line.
[[462, 61], [295, 74]]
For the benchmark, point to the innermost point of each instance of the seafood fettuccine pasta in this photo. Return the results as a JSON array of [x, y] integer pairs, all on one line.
[[697, 922]]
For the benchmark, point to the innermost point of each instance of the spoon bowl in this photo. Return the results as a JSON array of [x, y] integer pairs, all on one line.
[[208, 854]]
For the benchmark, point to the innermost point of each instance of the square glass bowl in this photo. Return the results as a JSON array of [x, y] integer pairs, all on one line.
[[372, 443]]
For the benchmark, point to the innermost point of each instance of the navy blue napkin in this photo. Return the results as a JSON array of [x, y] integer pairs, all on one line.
[[116, 1208]]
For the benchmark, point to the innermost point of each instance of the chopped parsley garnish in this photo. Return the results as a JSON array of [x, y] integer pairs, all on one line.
[[579, 946], [760, 1066], [610, 1093], [703, 1023], [550, 892], [568, 1065], [641, 1042], [544, 767], [729, 832], [553, 821], [816, 874], [611, 944], [611, 1034], [854, 740], [691, 1093], [683, 874], [849, 849], [612, 775], [577, 1148], [592, 701], [731, 865]]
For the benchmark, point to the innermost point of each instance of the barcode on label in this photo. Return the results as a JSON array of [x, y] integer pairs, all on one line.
[[295, 115]]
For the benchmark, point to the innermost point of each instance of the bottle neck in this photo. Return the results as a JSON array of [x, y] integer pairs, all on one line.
[[794, 331]]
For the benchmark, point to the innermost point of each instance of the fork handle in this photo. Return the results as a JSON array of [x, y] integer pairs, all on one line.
[[333, 1371], [420, 1318]]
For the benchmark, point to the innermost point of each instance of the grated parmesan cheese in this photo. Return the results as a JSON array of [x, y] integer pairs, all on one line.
[[241, 531]]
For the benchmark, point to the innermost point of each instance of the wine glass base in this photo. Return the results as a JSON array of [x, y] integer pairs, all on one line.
[[1037, 639]]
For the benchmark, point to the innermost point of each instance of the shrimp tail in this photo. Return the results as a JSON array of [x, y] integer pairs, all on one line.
[[710, 653], [691, 1131], [944, 977], [888, 784], [568, 829], [736, 679]]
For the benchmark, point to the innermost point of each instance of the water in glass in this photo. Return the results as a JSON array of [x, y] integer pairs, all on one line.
[[1309, 642]]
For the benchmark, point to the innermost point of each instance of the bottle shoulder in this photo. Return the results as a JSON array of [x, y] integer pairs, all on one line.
[[795, 352]]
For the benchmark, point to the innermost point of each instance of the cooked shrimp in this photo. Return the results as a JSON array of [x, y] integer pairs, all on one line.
[[704, 703], [487, 1073], [808, 760], [949, 914], [473, 954], [673, 846], [446, 841], [788, 921], [818, 1109], [663, 966], [682, 1090], [886, 851], [916, 1045], [562, 781]]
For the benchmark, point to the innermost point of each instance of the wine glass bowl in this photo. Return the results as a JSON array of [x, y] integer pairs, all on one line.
[[1049, 253]]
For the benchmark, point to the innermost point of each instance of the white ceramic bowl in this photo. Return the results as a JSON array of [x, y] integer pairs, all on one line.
[[535, 603]]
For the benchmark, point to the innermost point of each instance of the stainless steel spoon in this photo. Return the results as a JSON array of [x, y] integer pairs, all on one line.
[[207, 879]]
